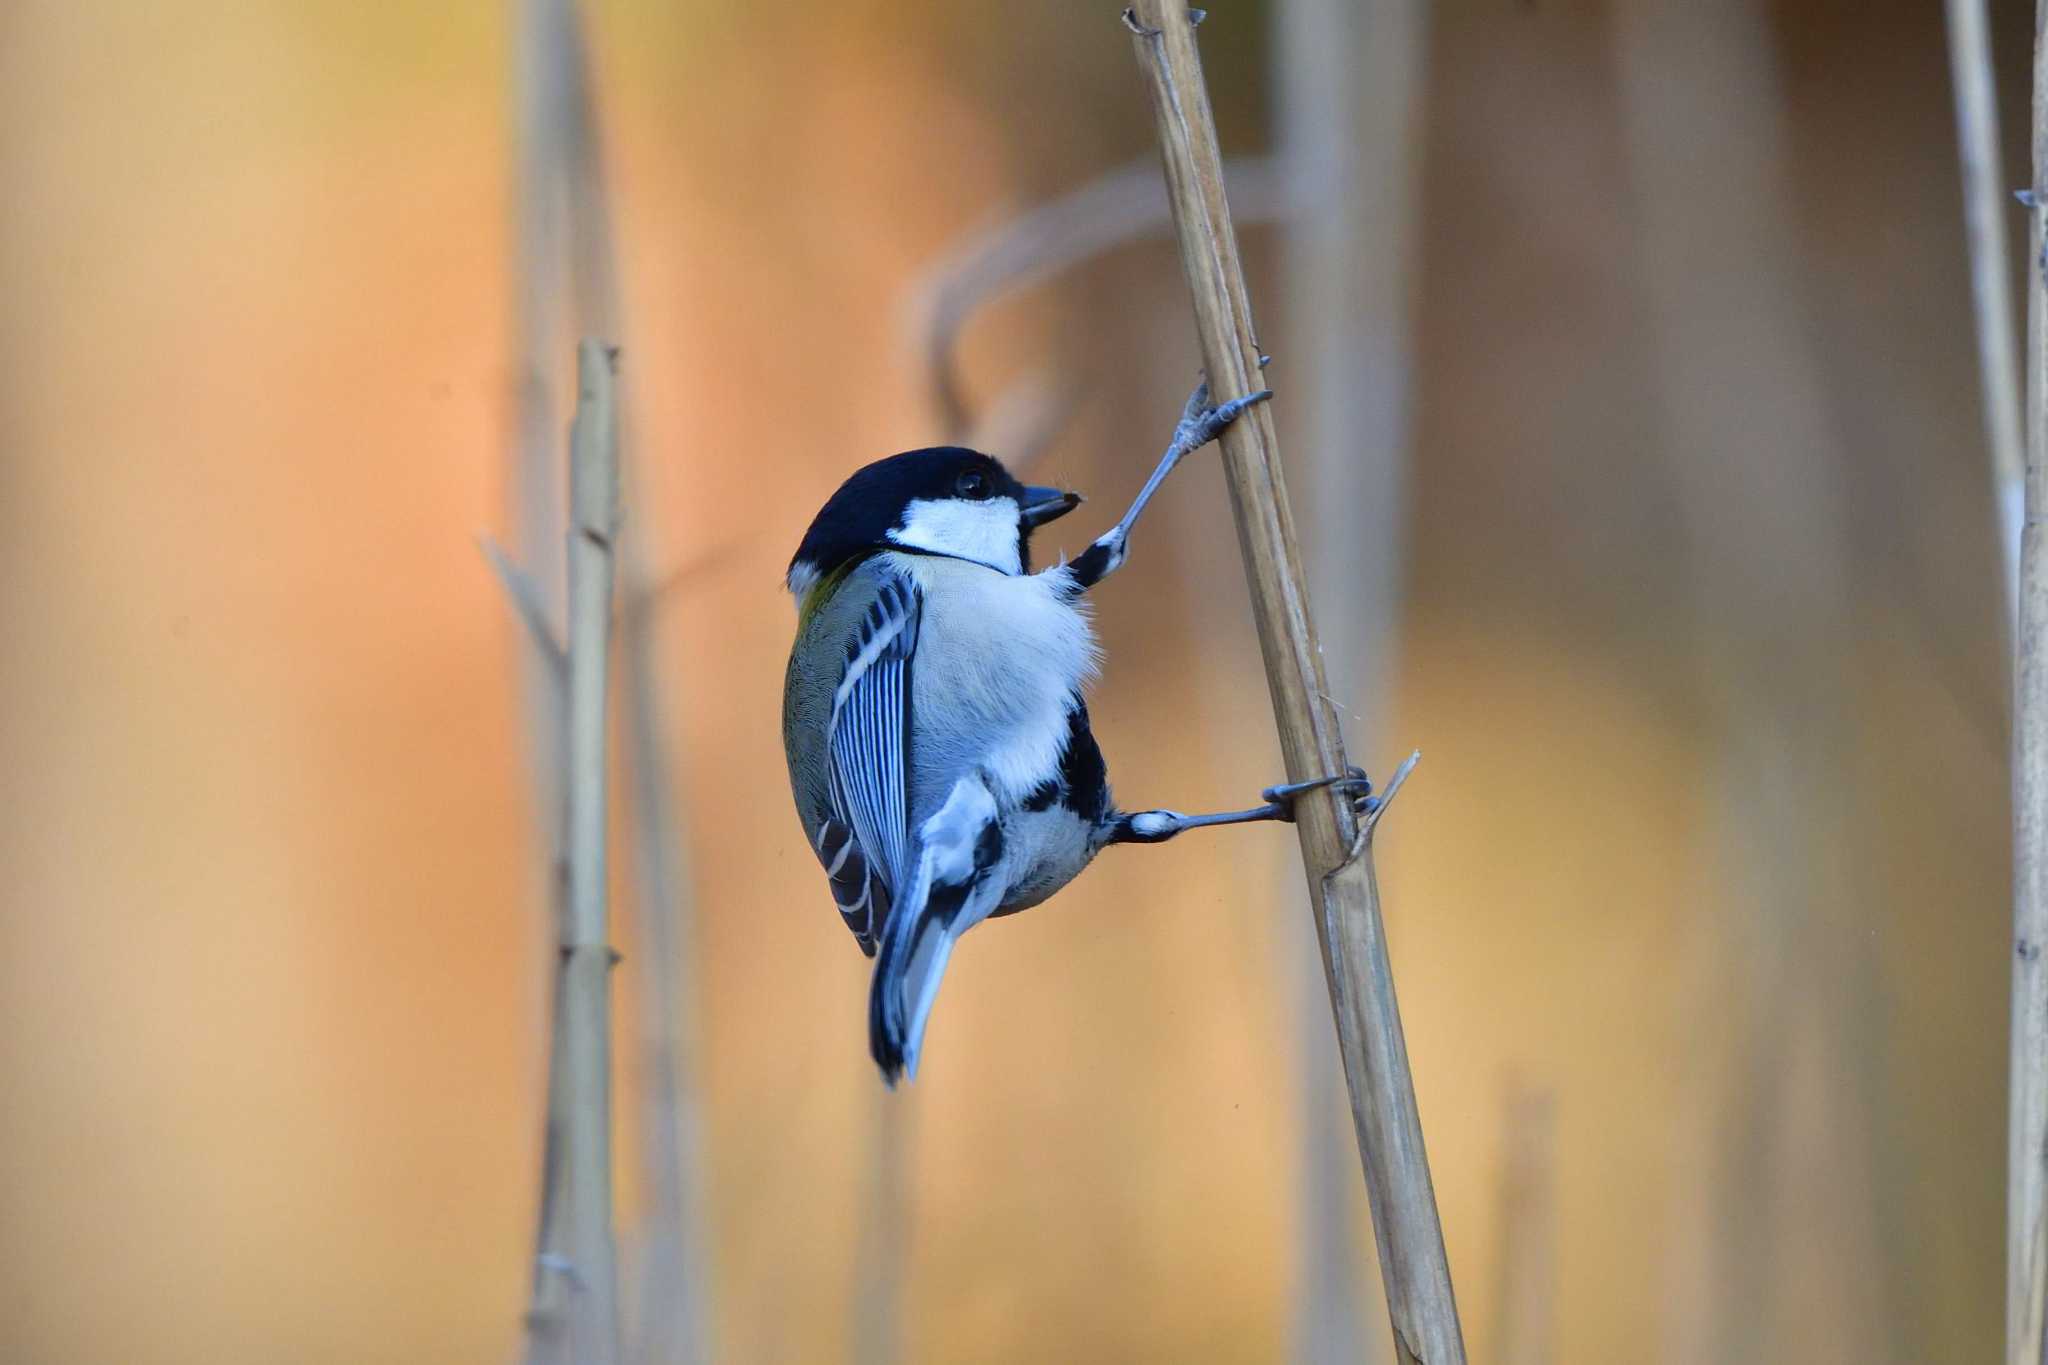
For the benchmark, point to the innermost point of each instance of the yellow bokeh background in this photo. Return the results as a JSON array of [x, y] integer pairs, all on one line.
[[273, 948]]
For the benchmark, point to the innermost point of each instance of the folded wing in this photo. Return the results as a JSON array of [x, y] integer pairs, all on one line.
[[864, 845]]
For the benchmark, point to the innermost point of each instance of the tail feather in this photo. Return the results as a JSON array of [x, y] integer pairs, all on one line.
[[955, 888], [906, 985]]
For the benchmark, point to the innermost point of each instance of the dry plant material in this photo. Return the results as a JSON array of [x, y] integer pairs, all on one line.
[[2026, 1223], [1984, 210], [565, 218], [669, 1325], [574, 1314], [1336, 850]]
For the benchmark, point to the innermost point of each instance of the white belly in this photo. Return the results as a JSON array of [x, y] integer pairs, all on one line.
[[999, 659]]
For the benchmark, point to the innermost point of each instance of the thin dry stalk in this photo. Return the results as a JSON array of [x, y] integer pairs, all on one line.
[[535, 571], [1336, 850], [1984, 209], [538, 342], [526, 600], [564, 215], [580, 1321], [670, 1325], [2026, 1223]]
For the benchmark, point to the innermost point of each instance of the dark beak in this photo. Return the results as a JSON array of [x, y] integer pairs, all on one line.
[[1047, 504]]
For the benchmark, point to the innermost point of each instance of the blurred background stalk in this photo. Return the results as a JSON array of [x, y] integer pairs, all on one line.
[[2026, 1221], [1349, 79], [1526, 1305], [1761, 486], [566, 221], [1985, 205], [538, 514], [669, 1318]]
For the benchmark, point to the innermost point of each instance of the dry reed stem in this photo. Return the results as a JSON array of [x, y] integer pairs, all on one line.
[[670, 1325], [2026, 1226], [535, 572], [537, 347], [526, 600], [564, 216], [586, 965], [1336, 850], [1984, 209]]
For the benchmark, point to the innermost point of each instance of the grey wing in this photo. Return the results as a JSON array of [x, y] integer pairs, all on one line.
[[868, 741], [857, 887]]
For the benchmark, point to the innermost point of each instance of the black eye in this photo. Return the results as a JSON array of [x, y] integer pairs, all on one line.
[[972, 484]]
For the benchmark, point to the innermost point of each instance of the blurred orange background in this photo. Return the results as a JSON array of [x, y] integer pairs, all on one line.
[[1700, 634]]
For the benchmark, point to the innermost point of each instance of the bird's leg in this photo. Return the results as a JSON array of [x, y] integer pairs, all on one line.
[[1200, 423], [1157, 826]]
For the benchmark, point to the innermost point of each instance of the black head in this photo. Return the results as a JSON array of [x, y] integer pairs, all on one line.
[[946, 500]]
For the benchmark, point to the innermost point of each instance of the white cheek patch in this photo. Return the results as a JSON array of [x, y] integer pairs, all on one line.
[[985, 532], [802, 578]]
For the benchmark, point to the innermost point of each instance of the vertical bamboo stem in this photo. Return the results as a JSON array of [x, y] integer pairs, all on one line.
[[2027, 1175], [1336, 855]]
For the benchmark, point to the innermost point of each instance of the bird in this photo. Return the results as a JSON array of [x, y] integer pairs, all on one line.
[[934, 710]]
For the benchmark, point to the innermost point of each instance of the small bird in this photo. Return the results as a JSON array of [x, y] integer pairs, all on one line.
[[938, 740]]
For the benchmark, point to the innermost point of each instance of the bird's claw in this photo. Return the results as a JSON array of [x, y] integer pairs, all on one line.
[[1353, 783], [1202, 421]]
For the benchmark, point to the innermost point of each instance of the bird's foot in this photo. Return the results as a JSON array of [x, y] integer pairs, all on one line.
[[1353, 783], [1202, 421]]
